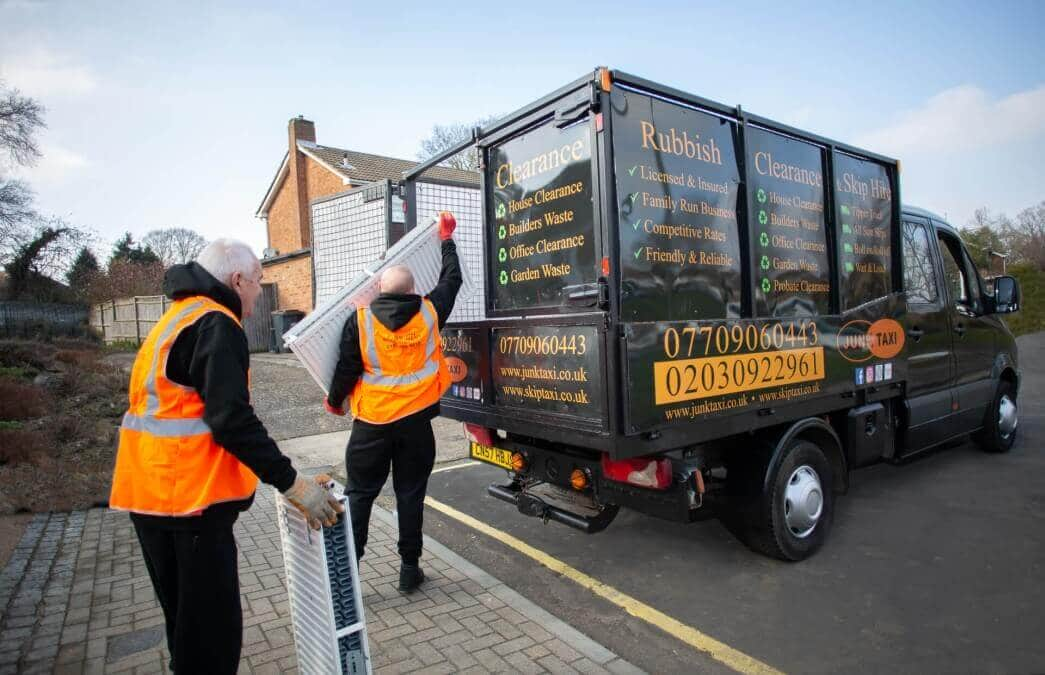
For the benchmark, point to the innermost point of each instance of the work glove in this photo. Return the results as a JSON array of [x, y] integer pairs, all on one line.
[[332, 409], [447, 225], [311, 498]]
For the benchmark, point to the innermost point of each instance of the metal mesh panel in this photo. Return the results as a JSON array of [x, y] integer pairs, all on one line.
[[316, 339], [466, 205], [347, 233]]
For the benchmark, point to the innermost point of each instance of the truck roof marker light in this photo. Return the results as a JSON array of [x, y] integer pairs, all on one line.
[[598, 122], [641, 471], [605, 79], [605, 266]]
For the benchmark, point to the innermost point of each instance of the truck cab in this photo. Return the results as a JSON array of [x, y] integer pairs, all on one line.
[[961, 356]]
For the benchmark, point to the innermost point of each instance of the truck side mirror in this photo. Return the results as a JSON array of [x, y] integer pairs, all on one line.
[[1006, 295]]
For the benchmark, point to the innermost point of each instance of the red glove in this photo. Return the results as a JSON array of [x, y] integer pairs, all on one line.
[[340, 412], [447, 225]]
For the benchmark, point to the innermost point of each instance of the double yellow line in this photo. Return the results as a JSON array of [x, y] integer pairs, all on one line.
[[721, 652]]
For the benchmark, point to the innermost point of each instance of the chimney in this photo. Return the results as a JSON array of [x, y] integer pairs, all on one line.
[[300, 129]]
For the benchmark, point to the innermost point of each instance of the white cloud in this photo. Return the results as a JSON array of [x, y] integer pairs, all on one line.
[[43, 73], [962, 119], [54, 166]]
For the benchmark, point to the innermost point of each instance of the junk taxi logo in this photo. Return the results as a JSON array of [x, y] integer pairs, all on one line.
[[860, 340], [458, 368]]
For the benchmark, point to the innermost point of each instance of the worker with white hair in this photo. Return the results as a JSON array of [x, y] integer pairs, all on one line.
[[191, 453], [392, 372]]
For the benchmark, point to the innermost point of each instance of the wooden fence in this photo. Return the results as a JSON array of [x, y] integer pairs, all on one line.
[[131, 319], [128, 319]]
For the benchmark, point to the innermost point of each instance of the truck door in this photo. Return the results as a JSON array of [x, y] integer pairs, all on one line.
[[973, 332], [930, 361]]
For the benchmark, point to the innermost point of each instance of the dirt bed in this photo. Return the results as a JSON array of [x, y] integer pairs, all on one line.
[[60, 405]]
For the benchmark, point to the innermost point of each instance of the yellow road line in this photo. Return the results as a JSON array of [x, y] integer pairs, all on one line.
[[462, 465], [721, 652]]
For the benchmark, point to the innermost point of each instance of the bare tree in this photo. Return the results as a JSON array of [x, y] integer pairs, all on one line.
[[175, 245], [16, 207], [1028, 235], [20, 118], [125, 279], [445, 137]]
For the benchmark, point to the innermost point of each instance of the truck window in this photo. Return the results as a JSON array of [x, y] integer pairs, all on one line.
[[863, 217], [678, 178], [919, 276], [959, 274], [541, 233], [786, 225]]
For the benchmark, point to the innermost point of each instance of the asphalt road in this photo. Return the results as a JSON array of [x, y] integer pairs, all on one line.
[[932, 566]]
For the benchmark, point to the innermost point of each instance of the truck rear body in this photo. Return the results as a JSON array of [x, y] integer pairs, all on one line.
[[665, 278]]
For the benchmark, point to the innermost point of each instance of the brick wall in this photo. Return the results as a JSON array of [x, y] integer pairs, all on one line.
[[284, 235], [284, 231], [293, 279], [289, 217], [321, 182]]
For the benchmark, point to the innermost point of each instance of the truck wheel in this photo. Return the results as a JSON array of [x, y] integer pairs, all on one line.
[[792, 519], [1002, 421]]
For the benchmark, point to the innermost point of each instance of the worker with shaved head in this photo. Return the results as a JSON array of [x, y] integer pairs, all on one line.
[[392, 373]]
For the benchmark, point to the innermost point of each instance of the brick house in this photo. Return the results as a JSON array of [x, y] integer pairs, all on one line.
[[310, 171]]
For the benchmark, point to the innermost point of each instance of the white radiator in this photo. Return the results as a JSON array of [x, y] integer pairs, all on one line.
[[316, 339], [326, 604]]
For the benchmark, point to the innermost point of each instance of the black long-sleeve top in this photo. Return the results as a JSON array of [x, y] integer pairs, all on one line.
[[212, 357]]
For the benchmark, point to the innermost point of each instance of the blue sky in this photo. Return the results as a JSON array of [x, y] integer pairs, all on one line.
[[174, 114]]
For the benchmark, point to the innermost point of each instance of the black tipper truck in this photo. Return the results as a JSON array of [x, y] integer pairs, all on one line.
[[695, 311]]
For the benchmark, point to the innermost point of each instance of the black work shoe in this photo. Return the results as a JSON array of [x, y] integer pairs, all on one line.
[[410, 577]]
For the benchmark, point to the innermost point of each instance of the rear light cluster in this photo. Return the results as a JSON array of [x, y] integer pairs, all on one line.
[[479, 434], [641, 471]]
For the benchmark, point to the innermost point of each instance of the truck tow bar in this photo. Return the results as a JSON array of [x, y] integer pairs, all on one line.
[[532, 505]]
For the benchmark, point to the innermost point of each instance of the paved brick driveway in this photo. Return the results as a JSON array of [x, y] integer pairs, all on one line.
[[76, 597]]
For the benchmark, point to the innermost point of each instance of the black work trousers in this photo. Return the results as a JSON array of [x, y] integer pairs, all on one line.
[[408, 446], [196, 578]]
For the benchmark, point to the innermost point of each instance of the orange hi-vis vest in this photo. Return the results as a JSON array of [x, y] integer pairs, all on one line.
[[403, 370], [168, 463]]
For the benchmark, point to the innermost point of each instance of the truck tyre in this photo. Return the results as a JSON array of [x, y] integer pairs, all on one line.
[[1001, 422], [793, 515]]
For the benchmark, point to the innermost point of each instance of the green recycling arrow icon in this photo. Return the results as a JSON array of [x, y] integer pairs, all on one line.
[[762, 217], [761, 196], [501, 232], [500, 210], [766, 285], [765, 262], [502, 255], [763, 239], [504, 278]]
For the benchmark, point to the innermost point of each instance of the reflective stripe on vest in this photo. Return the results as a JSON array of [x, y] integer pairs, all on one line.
[[384, 393], [167, 428], [152, 399], [378, 377]]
